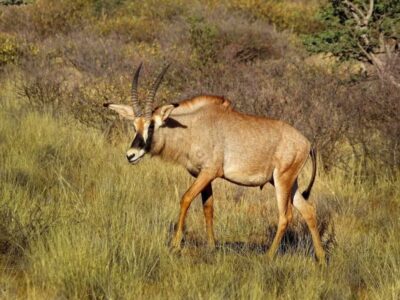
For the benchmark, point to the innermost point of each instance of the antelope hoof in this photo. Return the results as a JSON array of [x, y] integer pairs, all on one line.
[[322, 261], [211, 246], [175, 251], [175, 245]]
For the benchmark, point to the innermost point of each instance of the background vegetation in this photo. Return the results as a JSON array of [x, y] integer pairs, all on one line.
[[77, 222]]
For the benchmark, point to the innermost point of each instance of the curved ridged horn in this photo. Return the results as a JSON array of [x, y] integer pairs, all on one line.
[[148, 108], [134, 92]]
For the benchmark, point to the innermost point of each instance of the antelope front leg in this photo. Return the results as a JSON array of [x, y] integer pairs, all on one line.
[[207, 198], [200, 183]]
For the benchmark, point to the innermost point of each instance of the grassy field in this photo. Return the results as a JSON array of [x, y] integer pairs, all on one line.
[[78, 222]]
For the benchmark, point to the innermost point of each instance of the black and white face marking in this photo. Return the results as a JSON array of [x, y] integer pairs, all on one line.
[[142, 140]]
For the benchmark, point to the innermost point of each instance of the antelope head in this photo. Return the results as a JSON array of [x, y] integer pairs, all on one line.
[[146, 123]]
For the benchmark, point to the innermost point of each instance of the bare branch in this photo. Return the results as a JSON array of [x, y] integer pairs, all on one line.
[[383, 72], [370, 11], [388, 51], [357, 18], [382, 44], [355, 9], [393, 81], [367, 54]]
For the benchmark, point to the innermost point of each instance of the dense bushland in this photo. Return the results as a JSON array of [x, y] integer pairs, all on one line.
[[77, 222], [86, 51]]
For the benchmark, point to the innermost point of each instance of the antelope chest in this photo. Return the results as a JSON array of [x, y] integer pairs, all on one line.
[[195, 160]]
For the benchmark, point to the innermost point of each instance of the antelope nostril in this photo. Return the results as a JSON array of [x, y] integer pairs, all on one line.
[[129, 157]]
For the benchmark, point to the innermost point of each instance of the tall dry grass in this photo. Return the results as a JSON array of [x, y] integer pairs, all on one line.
[[78, 222]]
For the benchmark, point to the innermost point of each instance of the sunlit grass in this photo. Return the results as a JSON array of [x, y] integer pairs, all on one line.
[[78, 222]]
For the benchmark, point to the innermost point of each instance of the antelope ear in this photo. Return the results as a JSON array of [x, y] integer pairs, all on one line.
[[162, 114], [125, 111], [166, 110]]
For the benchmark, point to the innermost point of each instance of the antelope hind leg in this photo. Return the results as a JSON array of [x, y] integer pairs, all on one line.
[[283, 192], [308, 213]]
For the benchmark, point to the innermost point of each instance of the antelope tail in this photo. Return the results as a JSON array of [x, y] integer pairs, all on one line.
[[313, 154]]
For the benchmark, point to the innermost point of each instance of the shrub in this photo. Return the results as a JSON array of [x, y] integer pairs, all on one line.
[[15, 2], [166, 10], [44, 90], [298, 16], [9, 49], [49, 17], [16, 234], [129, 28], [203, 39]]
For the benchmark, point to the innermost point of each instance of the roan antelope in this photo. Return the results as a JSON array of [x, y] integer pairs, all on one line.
[[210, 139]]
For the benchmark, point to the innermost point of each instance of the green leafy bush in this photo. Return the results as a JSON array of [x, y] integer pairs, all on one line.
[[15, 2], [343, 37]]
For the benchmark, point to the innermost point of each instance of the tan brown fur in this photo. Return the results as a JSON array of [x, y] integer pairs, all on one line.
[[210, 139], [191, 105]]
